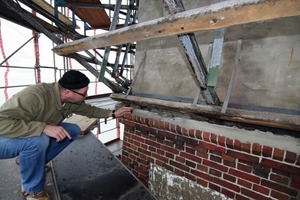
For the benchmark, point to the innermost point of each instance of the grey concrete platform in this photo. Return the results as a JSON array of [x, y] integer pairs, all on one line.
[[87, 170]]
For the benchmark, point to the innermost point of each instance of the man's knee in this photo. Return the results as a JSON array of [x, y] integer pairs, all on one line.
[[73, 129], [40, 143]]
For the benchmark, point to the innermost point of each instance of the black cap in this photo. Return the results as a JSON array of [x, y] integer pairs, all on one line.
[[74, 79]]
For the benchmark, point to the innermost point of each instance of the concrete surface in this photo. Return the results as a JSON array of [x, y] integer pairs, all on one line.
[[268, 74], [169, 186]]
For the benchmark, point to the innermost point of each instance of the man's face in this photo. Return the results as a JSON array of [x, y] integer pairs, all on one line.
[[77, 96]]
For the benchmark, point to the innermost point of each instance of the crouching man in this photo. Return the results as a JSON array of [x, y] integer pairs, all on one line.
[[32, 127]]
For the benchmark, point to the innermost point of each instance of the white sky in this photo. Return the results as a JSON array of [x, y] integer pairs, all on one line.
[[13, 37]]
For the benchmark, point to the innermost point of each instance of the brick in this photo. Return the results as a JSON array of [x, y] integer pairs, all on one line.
[[185, 132], [213, 138], [142, 161], [138, 138], [190, 141], [216, 153], [215, 158], [178, 129], [169, 167], [228, 193], [279, 179], [143, 151], [244, 175], [169, 155], [161, 152], [142, 169], [180, 159], [290, 157], [211, 146], [256, 149], [202, 182], [227, 185], [169, 143], [190, 164], [221, 140], [192, 133], [190, 157], [160, 163], [215, 172], [261, 171], [240, 197], [281, 166], [201, 149], [229, 143], [243, 156], [179, 144], [295, 184], [152, 149], [278, 154], [215, 165], [228, 158], [206, 136], [152, 143], [147, 129], [282, 173], [267, 151], [246, 147], [279, 187], [245, 168], [214, 187], [179, 172], [173, 128], [129, 123], [169, 149], [253, 194], [237, 145], [202, 175], [296, 178], [229, 178], [298, 160], [229, 164], [202, 155], [279, 195], [179, 165], [190, 176], [190, 150], [198, 134], [160, 157], [161, 125], [261, 189], [202, 168]]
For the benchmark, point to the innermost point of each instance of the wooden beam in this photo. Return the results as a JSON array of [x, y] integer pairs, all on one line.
[[46, 6], [216, 16], [83, 122], [268, 119]]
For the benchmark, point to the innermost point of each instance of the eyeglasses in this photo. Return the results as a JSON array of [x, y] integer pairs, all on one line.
[[83, 95]]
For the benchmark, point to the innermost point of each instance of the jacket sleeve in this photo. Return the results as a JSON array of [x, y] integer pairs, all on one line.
[[91, 111], [17, 117]]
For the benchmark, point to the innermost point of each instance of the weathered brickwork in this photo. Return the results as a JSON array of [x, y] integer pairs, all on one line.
[[236, 169]]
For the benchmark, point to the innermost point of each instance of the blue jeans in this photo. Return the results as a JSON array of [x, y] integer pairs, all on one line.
[[34, 153]]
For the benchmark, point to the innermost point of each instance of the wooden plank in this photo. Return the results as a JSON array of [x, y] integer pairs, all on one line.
[[274, 120], [83, 122], [46, 6], [216, 16], [95, 17]]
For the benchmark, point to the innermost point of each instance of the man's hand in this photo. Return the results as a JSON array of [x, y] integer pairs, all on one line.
[[57, 132], [122, 111]]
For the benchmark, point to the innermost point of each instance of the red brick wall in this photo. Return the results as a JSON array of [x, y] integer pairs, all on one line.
[[236, 169]]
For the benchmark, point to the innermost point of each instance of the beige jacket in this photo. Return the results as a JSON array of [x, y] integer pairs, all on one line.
[[26, 113]]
